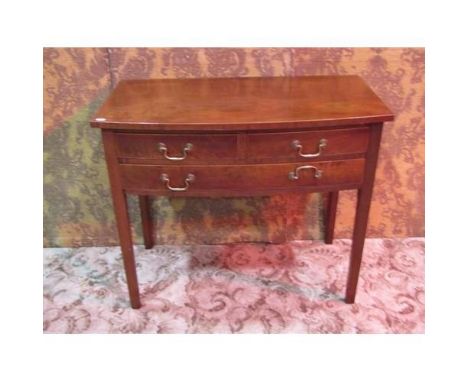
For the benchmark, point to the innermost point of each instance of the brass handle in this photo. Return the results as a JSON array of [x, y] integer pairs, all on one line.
[[294, 175], [296, 145], [188, 180], [163, 149]]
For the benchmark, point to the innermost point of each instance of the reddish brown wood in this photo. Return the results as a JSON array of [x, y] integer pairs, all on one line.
[[362, 213], [205, 147], [240, 104], [241, 177], [123, 221], [275, 147], [245, 193], [146, 221], [332, 203], [242, 148], [241, 131]]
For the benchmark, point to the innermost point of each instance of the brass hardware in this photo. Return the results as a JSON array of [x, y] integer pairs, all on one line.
[[188, 180], [296, 145], [294, 175], [163, 149]]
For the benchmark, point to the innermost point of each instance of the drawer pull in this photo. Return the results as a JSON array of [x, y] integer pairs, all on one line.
[[296, 145], [294, 175], [188, 180], [163, 149]]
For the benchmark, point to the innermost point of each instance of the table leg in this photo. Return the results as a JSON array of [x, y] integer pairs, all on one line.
[[119, 199], [125, 236], [332, 202], [359, 236], [362, 214], [146, 222]]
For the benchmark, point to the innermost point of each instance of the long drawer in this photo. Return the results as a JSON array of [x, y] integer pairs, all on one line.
[[181, 180]]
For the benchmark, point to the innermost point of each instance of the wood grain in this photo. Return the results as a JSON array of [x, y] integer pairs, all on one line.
[[240, 177], [242, 133], [239, 104], [119, 199], [204, 147], [277, 147], [362, 214]]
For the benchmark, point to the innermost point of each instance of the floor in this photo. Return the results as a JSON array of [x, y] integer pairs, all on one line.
[[296, 287]]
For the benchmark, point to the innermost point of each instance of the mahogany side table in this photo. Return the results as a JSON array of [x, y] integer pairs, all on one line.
[[241, 137]]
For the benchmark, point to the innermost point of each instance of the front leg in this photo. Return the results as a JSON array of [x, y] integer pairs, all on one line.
[[125, 236], [362, 213], [119, 199], [359, 236]]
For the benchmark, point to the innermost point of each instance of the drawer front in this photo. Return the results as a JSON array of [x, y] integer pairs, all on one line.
[[177, 149], [241, 178], [307, 146]]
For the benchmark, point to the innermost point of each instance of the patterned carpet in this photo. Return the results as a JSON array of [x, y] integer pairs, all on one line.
[[296, 287]]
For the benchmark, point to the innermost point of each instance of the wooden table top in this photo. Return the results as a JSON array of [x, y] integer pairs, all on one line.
[[233, 104]]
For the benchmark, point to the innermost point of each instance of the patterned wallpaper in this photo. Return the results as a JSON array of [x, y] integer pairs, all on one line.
[[77, 203]]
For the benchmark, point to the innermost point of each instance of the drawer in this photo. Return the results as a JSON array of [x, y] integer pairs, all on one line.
[[307, 146], [241, 178], [177, 149]]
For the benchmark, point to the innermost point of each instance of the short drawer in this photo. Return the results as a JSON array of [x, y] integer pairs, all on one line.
[[177, 149], [307, 146], [180, 180]]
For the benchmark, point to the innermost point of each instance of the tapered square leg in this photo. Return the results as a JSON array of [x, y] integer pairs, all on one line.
[[125, 236], [146, 221], [119, 199], [332, 202], [362, 213], [359, 236]]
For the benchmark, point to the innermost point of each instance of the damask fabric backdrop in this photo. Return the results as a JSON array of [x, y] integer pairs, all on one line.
[[77, 202]]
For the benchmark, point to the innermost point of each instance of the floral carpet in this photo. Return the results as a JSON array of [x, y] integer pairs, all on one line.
[[296, 287]]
